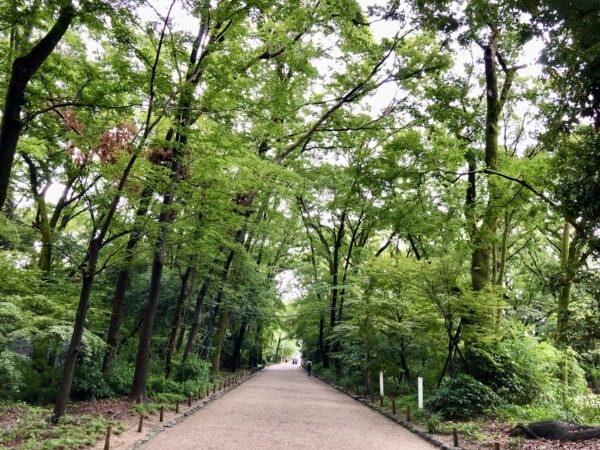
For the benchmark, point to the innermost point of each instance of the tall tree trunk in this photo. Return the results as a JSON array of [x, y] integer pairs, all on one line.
[[23, 70], [237, 347], [211, 322], [88, 274], [276, 358], [118, 303], [254, 355], [75, 344], [323, 357], [197, 319], [189, 273], [484, 237], [564, 293], [184, 120], [219, 339], [138, 388]]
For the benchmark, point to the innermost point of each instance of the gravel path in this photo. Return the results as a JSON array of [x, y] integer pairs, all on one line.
[[281, 408]]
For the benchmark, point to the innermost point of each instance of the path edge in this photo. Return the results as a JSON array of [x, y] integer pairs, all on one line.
[[181, 418], [432, 439]]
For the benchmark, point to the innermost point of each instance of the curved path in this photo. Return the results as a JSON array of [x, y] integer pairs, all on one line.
[[281, 408]]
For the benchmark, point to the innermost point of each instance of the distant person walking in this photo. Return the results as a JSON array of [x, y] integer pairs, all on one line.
[[309, 367]]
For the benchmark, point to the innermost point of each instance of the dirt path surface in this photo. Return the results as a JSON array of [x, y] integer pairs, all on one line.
[[281, 408]]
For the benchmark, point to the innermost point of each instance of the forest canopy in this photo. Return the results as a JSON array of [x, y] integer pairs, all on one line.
[[191, 187]]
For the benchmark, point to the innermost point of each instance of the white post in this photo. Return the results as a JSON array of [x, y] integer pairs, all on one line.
[[381, 383], [420, 391]]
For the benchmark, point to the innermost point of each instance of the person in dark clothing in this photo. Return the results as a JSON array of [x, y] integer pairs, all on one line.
[[309, 367]]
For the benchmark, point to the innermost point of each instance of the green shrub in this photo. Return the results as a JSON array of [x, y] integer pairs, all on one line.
[[508, 367], [462, 397], [121, 378], [522, 370], [194, 368], [158, 384]]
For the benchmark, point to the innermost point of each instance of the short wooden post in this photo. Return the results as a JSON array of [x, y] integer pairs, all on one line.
[[394, 406], [365, 394], [381, 401], [141, 424], [408, 413], [208, 391], [107, 440], [496, 445], [455, 436], [190, 400], [161, 416], [176, 406], [214, 388]]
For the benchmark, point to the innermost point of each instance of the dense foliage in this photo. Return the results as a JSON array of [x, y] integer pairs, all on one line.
[[190, 187]]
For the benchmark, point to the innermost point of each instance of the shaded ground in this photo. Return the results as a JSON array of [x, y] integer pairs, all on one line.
[[282, 408], [28, 427]]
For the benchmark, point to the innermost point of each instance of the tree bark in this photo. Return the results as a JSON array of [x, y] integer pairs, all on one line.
[[138, 388], [183, 291], [564, 294], [118, 303], [219, 339], [75, 344], [556, 430], [23, 70], [237, 347], [484, 237]]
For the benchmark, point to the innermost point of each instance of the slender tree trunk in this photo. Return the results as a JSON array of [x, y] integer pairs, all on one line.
[[219, 339], [75, 344], [322, 352], [116, 316], [176, 319], [138, 388], [88, 274], [237, 347], [277, 349], [23, 69], [564, 294], [484, 238], [254, 355], [197, 319], [211, 322]]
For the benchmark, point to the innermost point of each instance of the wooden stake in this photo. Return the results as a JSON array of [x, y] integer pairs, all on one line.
[[408, 413], [176, 406], [141, 424], [381, 401], [162, 414], [394, 406], [107, 441], [455, 436], [214, 388], [190, 401]]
